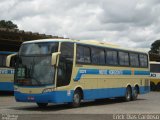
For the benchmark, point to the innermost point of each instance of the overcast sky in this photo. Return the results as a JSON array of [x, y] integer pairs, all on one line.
[[131, 23]]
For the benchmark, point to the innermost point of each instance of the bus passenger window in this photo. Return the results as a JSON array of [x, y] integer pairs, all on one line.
[[143, 60], [97, 56], [111, 57], [155, 68], [123, 59], [83, 54], [3, 60], [134, 60]]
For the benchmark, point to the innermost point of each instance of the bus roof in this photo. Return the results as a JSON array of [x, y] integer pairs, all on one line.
[[154, 62], [6, 52], [87, 42]]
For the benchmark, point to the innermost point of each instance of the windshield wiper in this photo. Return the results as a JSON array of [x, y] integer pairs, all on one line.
[[38, 82]]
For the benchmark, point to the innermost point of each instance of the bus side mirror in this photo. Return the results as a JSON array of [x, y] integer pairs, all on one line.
[[54, 57], [8, 60]]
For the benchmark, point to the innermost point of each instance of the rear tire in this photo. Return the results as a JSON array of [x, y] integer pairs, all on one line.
[[42, 105], [158, 87], [152, 86], [128, 94], [76, 99], [135, 93]]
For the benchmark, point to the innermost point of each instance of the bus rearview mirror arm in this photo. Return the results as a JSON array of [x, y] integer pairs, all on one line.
[[8, 59], [54, 57]]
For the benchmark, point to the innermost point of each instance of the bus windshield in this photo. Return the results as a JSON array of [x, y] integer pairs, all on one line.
[[155, 68], [33, 67], [41, 48]]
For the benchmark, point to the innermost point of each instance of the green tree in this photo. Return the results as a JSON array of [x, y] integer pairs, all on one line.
[[155, 47], [7, 24]]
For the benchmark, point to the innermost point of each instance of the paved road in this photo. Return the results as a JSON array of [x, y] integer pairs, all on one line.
[[146, 104]]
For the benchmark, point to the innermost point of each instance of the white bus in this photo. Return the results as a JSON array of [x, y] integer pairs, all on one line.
[[155, 75]]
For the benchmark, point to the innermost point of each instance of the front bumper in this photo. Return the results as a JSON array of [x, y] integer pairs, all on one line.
[[50, 97], [6, 86]]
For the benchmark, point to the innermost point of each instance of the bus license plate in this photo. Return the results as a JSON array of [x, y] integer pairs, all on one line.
[[31, 98]]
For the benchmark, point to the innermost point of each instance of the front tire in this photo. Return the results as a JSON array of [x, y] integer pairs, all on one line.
[[128, 94], [42, 105], [76, 99]]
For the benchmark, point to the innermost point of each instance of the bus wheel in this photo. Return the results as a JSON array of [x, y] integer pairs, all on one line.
[[42, 105], [152, 86], [76, 99], [158, 86], [128, 94], [135, 93]]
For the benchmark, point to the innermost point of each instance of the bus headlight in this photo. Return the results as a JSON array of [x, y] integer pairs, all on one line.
[[48, 90], [16, 88]]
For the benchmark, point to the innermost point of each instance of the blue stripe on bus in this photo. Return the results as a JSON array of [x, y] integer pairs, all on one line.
[[82, 72], [141, 72], [6, 52], [6, 86], [63, 97], [6, 71]]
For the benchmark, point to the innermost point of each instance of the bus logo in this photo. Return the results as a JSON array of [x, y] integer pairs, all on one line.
[[153, 75]]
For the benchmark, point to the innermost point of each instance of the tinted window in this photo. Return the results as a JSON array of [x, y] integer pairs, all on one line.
[[123, 58], [134, 61], [3, 60], [111, 57], [65, 64], [143, 60], [97, 56], [67, 50], [155, 68], [83, 54]]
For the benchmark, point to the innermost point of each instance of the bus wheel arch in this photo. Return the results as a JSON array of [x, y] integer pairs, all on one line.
[[81, 91], [77, 97]]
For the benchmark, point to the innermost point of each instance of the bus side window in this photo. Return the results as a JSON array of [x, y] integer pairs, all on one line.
[[143, 60], [123, 58], [98, 56], [111, 57], [134, 60], [83, 54], [65, 64], [155, 68], [1, 60]]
